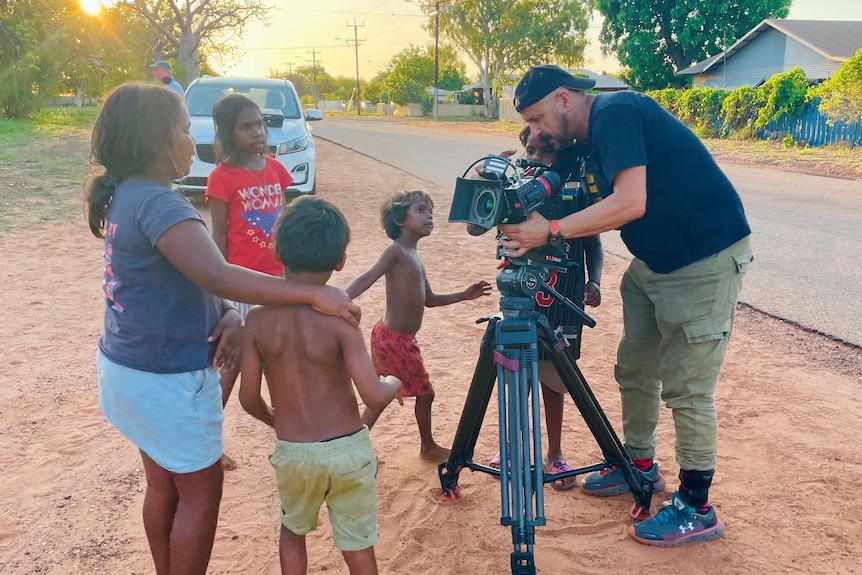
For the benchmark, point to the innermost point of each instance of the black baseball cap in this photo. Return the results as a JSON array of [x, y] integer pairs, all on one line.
[[539, 81]]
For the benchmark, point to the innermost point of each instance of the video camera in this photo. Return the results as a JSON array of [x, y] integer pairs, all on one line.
[[497, 199]]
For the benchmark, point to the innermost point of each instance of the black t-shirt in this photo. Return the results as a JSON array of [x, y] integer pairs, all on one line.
[[692, 209], [571, 283]]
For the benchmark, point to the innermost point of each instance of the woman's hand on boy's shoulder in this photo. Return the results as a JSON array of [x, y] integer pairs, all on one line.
[[335, 302]]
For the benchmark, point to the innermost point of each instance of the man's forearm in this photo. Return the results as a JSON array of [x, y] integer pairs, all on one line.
[[610, 214]]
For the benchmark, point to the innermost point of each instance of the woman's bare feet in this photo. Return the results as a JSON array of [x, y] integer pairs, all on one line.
[[434, 453], [227, 462]]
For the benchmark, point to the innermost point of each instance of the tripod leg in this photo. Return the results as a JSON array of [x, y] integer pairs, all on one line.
[[478, 397], [596, 420], [518, 390]]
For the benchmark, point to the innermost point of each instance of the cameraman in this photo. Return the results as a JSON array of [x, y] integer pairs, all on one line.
[[684, 223], [571, 285]]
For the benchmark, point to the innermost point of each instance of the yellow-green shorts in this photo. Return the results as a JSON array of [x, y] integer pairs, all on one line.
[[341, 472]]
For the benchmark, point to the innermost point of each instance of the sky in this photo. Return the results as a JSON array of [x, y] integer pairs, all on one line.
[[325, 31]]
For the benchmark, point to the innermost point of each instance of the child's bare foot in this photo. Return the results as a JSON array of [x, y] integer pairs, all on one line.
[[227, 462], [434, 453]]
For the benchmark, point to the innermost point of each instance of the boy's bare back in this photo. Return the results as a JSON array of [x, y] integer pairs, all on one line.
[[307, 358]]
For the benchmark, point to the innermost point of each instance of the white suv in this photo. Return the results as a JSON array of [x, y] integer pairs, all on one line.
[[290, 139]]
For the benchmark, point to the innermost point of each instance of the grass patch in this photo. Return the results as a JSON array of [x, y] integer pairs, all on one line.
[[43, 163], [840, 161]]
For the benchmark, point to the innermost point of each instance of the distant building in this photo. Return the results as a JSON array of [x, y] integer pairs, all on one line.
[[819, 47]]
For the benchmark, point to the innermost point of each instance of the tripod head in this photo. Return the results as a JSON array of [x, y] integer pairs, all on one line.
[[519, 279]]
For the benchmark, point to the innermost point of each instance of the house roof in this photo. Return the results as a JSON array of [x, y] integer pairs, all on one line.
[[603, 83], [836, 40]]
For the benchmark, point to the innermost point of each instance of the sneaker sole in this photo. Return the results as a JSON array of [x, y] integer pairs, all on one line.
[[658, 487], [713, 532]]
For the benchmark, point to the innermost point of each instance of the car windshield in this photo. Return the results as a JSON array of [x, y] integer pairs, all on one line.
[[201, 97]]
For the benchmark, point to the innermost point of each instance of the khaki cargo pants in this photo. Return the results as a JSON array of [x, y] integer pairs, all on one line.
[[676, 328]]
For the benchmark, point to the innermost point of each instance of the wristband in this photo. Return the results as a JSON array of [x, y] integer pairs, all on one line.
[[555, 236]]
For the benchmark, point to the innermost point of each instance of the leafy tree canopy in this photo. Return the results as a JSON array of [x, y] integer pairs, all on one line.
[[186, 28], [410, 73], [49, 47], [653, 39], [502, 37]]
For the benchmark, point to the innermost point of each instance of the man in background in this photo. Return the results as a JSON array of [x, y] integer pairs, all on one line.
[[162, 72]]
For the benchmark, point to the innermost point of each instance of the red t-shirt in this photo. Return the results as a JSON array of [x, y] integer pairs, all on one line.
[[254, 200]]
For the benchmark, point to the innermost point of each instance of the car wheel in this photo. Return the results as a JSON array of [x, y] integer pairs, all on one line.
[[313, 188]]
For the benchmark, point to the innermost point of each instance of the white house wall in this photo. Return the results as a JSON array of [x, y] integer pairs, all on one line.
[[767, 54]]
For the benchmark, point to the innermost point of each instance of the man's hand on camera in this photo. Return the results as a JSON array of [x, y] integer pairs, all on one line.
[[522, 237]]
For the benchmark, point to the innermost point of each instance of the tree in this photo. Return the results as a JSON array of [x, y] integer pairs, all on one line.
[[501, 37], [49, 47], [103, 50], [842, 94], [653, 39], [31, 39], [452, 73], [410, 73], [190, 27]]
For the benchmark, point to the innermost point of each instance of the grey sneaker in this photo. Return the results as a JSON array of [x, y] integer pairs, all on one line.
[[678, 523], [608, 482]]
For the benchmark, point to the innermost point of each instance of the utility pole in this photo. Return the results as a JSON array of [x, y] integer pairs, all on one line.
[[356, 42], [436, 54], [314, 54]]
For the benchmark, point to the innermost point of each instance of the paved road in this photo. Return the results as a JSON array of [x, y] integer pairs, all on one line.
[[807, 230]]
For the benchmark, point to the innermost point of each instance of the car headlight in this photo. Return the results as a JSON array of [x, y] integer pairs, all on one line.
[[293, 146]]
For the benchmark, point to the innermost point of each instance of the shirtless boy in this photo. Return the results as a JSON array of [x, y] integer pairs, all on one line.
[[407, 217], [322, 452]]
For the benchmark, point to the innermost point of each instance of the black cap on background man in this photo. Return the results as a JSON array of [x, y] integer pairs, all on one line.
[[539, 81]]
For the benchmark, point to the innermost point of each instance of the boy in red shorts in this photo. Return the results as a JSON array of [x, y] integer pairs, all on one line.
[[407, 217]]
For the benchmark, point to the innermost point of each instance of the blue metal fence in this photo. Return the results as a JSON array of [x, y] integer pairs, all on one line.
[[809, 127], [815, 129]]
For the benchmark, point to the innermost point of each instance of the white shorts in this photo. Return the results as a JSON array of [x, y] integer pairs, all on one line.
[[175, 418]]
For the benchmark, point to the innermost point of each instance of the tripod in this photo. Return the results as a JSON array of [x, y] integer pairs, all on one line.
[[509, 355]]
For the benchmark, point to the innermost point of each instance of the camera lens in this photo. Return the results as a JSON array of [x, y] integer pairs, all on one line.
[[485, 204]]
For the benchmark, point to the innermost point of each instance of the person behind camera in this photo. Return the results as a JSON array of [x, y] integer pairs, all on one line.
[[684, 223], [163, 73], [560, 317]]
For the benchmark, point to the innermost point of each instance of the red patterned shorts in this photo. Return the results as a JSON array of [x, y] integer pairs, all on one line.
[[398, 354]]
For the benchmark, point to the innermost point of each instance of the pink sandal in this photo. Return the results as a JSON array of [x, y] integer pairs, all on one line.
[[566, 483], [496, 463]]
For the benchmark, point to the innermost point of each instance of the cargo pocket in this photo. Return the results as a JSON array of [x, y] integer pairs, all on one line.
[[707, 329], [742, 262]]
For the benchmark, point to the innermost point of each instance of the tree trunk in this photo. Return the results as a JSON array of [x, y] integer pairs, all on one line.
[[189, 59]]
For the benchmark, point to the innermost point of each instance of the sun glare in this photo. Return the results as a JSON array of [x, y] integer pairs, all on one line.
[[91, 7]]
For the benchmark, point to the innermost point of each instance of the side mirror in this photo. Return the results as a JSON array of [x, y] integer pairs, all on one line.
[[313, 114]]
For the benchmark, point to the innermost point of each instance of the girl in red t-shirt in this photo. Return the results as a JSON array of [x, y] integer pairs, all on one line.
[[245, 193]]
